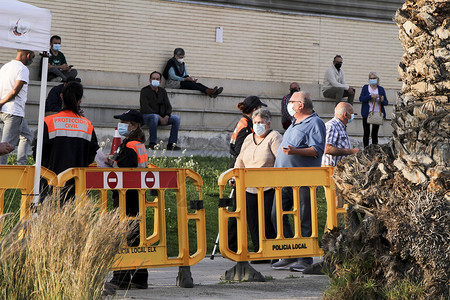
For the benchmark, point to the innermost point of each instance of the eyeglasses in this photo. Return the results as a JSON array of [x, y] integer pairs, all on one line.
[[294, 101]]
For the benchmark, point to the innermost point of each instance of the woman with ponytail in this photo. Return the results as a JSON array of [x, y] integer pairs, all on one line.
[[69, 139], [130, 154]]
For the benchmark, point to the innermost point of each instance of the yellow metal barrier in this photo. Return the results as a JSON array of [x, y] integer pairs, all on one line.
[[22, 178], [152, 250], [280, 247]]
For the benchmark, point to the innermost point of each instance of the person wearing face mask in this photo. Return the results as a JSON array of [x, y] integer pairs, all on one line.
[[58, 69], [243, 128], [337, 144], [302, 146], [156, 110], [177, 76], [373, 97], [14, 78], [259, 151], [130, 154], [286, 118], [334, 85]]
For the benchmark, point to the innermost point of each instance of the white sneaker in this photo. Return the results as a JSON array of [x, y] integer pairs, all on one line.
[[284, 264]]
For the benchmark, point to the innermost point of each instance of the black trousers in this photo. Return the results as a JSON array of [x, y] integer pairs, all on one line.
[[252, 220], [252, 217], [366, 127], [138, 276], [190, 85]]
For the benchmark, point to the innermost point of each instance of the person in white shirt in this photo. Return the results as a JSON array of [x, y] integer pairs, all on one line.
[[14, 78], [334, 85]]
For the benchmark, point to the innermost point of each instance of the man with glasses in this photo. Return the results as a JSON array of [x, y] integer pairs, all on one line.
[[302, 146], [334, 85]]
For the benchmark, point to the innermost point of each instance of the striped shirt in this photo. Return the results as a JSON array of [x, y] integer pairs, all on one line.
[[336, 136]]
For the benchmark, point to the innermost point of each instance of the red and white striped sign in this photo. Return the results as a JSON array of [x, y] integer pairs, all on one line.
[[131, 180]]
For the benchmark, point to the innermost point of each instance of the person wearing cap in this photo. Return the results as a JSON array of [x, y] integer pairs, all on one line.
[[130, 154], [157, 110], [69, 139], [243, 128], [177, 76], [302, 146], [53, 104]]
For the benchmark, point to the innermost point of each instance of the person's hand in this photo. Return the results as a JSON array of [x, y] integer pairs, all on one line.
[[163, 121], [288, 150], [5, 148], [232, 183], [381, 98], [351, 91], [194, 79], [374, 97], [109, 162], [65, 67]]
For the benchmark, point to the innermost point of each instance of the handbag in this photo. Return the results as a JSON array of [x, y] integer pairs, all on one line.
[[375, 118]]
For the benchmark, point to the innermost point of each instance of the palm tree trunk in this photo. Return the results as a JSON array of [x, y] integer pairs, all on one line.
[[399, 193]]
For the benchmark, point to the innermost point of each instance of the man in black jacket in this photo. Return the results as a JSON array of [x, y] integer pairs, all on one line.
[[157, 110]]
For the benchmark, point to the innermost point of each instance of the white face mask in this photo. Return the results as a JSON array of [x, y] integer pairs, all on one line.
[[259, 129], [290, 109], [155, 83], [180, 60]]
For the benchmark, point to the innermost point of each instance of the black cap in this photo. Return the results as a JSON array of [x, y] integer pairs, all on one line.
[[253, 101], [131, 115]]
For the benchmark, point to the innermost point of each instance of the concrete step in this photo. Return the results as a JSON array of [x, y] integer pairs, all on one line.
[[206, 123]]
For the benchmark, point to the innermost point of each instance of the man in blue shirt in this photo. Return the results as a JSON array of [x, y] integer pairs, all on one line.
[[302, 146]]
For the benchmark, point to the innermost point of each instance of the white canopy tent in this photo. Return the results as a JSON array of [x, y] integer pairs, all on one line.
[[24, 26]]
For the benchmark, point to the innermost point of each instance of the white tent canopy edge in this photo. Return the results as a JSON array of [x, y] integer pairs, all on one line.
[[27, 27]]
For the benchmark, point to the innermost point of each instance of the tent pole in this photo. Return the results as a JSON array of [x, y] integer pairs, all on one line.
[[37, 170]]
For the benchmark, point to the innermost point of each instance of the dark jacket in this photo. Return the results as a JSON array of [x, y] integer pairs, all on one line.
[[54, 101], [243, 128], [69, 142], [365, 98], [179, 69], [155, 102]]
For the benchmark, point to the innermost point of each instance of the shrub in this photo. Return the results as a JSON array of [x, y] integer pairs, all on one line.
[[65, 254]]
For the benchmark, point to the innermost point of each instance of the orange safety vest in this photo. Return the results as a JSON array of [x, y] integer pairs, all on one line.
[[67, 124], [243, 123], [141, 152]]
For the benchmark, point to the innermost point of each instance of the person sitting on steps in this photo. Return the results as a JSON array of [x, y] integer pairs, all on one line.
[[157, 110], [58, 69], [177, 76]]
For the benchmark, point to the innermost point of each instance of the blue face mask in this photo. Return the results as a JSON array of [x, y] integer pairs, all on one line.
[[373, 81], [122, 128], [155, 83], [56, 47], [351, 118]]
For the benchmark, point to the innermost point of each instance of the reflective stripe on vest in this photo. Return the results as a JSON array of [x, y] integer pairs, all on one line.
[[68, 124], [141, 152]]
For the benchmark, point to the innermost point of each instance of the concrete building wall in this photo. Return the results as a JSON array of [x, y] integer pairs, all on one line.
[[138, 36]]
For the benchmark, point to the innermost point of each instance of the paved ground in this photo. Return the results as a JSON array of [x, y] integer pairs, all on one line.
[[206, 275]]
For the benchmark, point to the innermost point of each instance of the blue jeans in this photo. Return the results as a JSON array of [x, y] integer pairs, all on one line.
[[16, 131], [305, 214], [287, 204], [152, 121]]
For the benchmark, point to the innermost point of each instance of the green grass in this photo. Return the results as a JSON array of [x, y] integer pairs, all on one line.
[[209, 169]]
